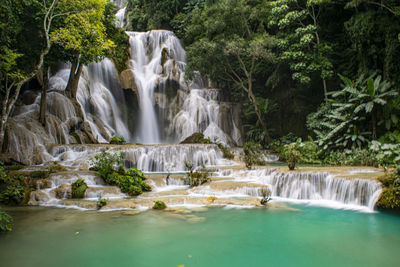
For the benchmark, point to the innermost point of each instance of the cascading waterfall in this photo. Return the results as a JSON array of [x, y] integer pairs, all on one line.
[[314, 186], [171, 108], [148, 158]]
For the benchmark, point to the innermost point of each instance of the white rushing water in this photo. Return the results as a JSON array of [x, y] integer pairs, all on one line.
[[58, 188], [317, 188], [171, 108], [148, 158]]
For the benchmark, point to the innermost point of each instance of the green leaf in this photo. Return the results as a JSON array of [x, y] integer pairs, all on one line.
[[370, 86]]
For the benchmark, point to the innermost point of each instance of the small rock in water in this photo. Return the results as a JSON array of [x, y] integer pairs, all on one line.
[[195, 219], [189, 256], [130, 212], [76, 233]]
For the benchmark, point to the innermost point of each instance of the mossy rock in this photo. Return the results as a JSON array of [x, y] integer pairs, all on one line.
[[14, 167], [39, 174], [79, 188], [118, 140], [389, 199], [159, 205], [56, 168], [196, 138]]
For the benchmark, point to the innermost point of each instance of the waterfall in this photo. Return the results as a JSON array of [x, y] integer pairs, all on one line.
[[171, 109], [318, 187], [148, 158]]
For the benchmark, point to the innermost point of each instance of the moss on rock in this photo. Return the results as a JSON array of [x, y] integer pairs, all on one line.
[[159, 205], [79, 188]]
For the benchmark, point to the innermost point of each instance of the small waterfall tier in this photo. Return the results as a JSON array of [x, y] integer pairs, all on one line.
[[55, 190], [148, 158], [313, 186]]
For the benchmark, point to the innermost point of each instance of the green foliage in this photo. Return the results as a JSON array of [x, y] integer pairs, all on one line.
[[101, 202], [12, 189], [118, 140], [226, 153], [298, 41], [39, 174], [252, 154], [5, 222], [291, 154], [196, 138], [198, 177], [349, 120], [120, 52], [109, 167], [106, 163], [54, 167], [159, 205], [79, 188], [14, 167], [386, 154], [351, 157], [265, 193], [390, 197], [83, 32]]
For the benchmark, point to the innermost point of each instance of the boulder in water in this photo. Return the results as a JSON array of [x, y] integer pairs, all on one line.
[[38, 197], [64, 191]]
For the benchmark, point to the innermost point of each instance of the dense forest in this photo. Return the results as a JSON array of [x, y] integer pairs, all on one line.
[[320, 70]]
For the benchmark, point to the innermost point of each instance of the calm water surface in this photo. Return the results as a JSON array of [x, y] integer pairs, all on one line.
[[311, 236]]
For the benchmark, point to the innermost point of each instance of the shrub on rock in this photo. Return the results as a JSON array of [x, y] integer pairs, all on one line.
[[79, 188]]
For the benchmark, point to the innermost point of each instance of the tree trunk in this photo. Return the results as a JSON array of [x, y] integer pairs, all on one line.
[[253, 100], [73, 81], [43, 104], [373, 125]]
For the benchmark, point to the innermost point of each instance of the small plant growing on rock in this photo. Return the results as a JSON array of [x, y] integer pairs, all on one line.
[[226, 153], [5, 222], [159, 205], [12, 189], [118, 140], [252, 154], [196, 178], [265, 194], [79, 188], [291, 155], [110, 167], [54, 167], [101, 202]]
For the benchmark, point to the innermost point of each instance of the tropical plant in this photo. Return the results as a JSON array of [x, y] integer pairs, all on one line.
[[109, 167], [78, 188], [344, 122], [118, 140], [252, 154], [198, 177], [265, 193], [159, 205], [5, 222], [12, 188], [292, 155], [101, 202]]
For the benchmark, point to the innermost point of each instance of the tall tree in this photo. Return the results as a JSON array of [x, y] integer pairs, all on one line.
[[13, 76], [231, 45], [300, 44], [83, 37]]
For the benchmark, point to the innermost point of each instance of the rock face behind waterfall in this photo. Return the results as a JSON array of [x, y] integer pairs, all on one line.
[[171, 108], [164, 108]]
